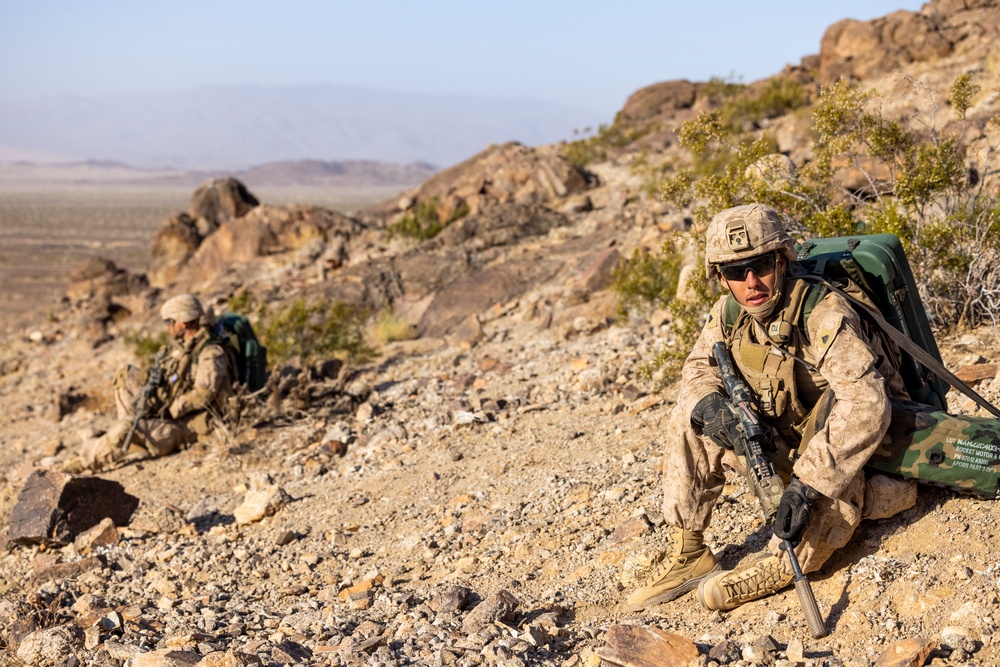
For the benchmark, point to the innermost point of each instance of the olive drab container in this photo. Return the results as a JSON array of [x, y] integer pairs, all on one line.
[[924, 442]]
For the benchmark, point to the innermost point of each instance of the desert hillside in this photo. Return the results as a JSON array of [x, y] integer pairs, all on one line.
[[481, 488]]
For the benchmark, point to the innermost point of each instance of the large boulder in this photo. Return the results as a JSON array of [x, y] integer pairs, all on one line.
[[265, 231], [296, 225], [219, 200], [172, 246], [658, 99], [927, 39], [503, 173], [53, 507], [102, 279], [234, 242]]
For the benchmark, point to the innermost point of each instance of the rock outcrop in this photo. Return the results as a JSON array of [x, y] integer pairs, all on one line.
[[500, 174]]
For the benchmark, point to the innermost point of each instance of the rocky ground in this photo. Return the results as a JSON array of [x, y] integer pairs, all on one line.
[[486, 493], [493, 505]]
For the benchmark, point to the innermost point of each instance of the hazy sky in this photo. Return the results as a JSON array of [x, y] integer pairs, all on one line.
[[584, 53]]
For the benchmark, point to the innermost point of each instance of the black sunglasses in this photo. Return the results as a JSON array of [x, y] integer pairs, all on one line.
[[761, 266]]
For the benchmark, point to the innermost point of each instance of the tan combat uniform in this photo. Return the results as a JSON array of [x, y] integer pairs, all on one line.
[[840, 360], [197, 382]]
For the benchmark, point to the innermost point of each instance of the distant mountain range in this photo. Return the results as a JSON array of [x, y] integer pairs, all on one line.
[[347, 174], [237, 127]]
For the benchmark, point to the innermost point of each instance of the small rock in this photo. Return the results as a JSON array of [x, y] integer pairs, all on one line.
[[906, 653], [958, 637], [289, 651], [497, 607], [49, 647], [795, 651], [725, 652], [263, 499], [229, 658], [643, 645], [451, 600], [103, 534]]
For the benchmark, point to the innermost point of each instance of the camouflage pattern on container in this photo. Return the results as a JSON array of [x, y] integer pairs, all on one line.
[[962, 453]]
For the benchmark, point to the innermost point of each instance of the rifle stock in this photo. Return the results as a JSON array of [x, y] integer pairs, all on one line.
[[761, 476]]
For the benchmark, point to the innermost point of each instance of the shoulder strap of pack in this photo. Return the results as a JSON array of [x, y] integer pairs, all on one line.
[[813, 297], [898, 337], [730, 313]]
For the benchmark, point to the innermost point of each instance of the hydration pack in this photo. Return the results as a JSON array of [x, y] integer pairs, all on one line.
[[250, 355]]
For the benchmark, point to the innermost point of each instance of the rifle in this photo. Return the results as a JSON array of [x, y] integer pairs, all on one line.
[[761, 476], [153, 380]]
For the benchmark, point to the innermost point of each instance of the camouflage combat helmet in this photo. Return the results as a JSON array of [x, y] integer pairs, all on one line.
[[182, 308], [743, 232]]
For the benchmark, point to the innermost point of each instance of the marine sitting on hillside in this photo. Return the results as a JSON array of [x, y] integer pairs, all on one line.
[[198, 373], [823, 389]]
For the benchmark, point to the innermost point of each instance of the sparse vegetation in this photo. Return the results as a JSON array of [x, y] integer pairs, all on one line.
[[777, 96], [308, 330], [389, 327], [593, 148], [646, 280], [424, 222], [145, 345]]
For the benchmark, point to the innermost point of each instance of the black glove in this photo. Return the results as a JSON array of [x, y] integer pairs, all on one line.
[[716, 421], [792, 516]]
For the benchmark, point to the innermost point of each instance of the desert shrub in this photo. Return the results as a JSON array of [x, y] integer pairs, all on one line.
[[935, 189], [313, 331], [587, 150], [243, 302], [145, 345], [646, 280], [309, 330], [720, 89], [424, 222], [389, 327], [776, 97], [653, 280]]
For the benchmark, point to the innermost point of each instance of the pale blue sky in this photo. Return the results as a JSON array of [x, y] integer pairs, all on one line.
[[585, 53]]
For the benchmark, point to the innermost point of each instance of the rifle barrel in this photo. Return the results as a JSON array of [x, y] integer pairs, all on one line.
[[763, 480]]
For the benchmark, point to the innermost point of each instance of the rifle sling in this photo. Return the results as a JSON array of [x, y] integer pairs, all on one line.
[[918, 353]]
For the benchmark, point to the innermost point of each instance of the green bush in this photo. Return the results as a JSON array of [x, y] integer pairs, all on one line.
[[776, 97], [309, 330], [646, 280], [314, 331], [145, 345], [650, 280]]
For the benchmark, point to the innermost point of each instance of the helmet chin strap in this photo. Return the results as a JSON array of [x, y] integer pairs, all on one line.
[[764, 310]]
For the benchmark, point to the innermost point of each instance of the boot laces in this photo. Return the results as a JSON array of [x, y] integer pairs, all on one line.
[[761, 577]]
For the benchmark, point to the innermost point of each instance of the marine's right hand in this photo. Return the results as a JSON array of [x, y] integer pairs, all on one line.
[[712, 415]]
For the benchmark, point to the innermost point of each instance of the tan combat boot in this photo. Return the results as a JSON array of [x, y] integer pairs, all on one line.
[[759, 577], [686, 564]]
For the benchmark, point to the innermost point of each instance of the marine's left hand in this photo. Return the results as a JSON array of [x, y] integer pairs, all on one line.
[[794, 510]]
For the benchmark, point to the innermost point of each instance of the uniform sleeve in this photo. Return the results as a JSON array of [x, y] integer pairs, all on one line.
[[860, 414], [210, 374], [700, 376]]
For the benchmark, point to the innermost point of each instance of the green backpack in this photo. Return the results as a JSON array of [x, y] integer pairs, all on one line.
[[251, 356]]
